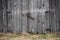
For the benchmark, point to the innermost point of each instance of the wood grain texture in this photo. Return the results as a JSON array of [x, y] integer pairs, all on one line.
[[40, 18]]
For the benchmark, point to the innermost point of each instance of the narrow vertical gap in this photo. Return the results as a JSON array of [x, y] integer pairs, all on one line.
[[49, 14], [7, 13]]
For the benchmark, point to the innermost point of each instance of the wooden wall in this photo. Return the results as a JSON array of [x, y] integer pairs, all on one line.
[[28, 16]]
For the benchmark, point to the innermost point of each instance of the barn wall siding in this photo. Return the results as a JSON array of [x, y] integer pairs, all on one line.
[[29, 16]]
